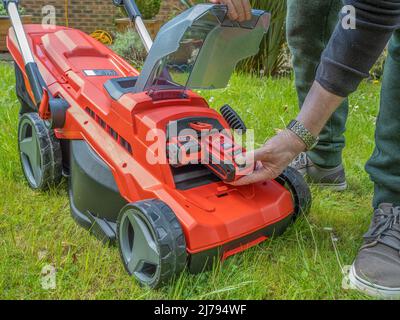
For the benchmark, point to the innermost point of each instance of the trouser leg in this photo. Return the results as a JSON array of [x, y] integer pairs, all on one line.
[[384, 165], [310, 24]]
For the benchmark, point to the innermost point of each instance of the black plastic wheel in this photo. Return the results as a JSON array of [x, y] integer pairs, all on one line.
[[292, 180], [25, 100], [151, 242], [40, 152]]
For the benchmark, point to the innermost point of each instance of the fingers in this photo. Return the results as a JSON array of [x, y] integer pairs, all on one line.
[[260, 175], [232, 10], [238, 10], [252, 157], [243, 10], [247, 10]]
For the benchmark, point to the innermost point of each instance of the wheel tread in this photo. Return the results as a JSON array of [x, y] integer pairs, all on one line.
[[299, 189], [172, 243], [50, 152]]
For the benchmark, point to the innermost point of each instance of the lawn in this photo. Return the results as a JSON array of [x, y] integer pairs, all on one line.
[[305, 263]]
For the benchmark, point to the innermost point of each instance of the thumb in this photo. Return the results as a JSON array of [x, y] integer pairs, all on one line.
[[260, 175]]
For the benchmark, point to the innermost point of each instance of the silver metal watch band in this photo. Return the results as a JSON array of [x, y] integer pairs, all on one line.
[[298, 128]]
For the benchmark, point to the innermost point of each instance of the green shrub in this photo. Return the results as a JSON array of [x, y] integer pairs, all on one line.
[[272, 56], [149, 8], [177, 9], [129, 46], [3, 11]]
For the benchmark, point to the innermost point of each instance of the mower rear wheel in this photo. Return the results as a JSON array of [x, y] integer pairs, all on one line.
[[151, 242], [40, 152], [292, 180]]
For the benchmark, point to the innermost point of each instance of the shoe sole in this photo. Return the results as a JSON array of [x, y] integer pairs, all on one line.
[[372, 289]]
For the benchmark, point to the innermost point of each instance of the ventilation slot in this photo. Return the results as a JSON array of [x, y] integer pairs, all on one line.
[[125, 144]]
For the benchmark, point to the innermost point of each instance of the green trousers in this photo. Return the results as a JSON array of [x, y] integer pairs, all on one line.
[[310, 24]]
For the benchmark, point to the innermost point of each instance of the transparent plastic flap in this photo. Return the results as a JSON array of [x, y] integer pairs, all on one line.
[[200, 48]]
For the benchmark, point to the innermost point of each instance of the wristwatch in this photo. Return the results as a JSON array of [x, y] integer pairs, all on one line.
[[298, 129]]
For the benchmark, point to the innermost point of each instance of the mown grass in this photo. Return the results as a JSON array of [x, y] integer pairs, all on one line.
[[37, 230]]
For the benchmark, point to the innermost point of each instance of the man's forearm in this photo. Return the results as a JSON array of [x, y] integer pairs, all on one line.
[[318, 107]]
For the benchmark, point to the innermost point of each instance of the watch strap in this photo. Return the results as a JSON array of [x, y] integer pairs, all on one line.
[[301, 131]]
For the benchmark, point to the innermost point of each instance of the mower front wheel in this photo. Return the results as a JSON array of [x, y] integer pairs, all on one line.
[[40, 152], [151, 242], [292, 180]]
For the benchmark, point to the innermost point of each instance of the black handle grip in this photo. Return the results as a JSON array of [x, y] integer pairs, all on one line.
[[130, 7], [36, 82]]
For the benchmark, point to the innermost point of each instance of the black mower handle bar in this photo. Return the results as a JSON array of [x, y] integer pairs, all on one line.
[[130, 7]]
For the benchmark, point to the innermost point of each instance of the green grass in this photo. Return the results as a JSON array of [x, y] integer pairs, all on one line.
[[37, 230]]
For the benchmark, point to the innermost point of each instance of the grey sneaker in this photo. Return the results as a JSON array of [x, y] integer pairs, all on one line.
[[376, 270], [330, 178]]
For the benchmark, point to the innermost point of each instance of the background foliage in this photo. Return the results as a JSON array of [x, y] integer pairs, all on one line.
[[3, 12], [149, 8], [273, 54], [129, 46], [379, 67]]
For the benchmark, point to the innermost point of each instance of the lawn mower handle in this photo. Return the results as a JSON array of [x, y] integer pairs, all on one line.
[[56, 106], [36, 81], [136, 17], [11, 7]]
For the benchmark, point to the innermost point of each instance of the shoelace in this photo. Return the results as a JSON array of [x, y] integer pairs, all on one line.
[[386, 223]]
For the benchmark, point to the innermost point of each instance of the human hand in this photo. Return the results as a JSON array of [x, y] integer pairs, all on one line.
[[238, 10], [273, 158]]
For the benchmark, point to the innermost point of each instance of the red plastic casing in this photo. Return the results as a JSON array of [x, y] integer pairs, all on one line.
[[211, 215]]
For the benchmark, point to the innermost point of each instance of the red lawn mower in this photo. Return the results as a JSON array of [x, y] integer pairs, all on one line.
[[87, 114]]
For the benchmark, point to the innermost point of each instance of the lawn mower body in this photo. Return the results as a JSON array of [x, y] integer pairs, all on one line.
[[108, 130]]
